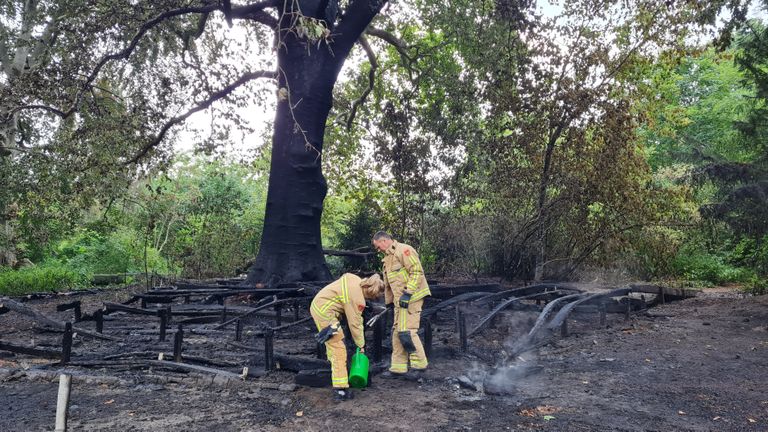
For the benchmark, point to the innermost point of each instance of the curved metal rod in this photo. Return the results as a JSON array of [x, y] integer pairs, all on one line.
[[562, 315], [503, 306], [528, 341], [451, 301], [523, 292]]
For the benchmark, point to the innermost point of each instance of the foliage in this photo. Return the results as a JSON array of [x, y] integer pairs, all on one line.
[[49, 277]]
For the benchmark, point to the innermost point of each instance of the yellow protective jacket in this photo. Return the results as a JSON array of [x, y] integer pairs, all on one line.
[[343, 296], [403, 272]]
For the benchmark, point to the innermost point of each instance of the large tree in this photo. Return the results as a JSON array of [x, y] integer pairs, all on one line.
[[147, 62]]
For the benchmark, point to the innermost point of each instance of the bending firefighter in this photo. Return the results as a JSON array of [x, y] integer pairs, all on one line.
[[405, 287], [346, 296]]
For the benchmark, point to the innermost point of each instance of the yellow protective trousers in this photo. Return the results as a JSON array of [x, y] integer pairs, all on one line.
[[336, 352], [407, 320]]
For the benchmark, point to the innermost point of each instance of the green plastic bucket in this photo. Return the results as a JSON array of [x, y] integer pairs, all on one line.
[[358, 370]]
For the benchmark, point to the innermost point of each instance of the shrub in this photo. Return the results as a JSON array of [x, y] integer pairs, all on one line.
[[50, 277], [697, 265]]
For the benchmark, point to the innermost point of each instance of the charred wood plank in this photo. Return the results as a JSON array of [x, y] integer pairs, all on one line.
[[32, 351], [668, 293], [161, 364], [452, 301], [72, 305], [297, 363], [445, 291]]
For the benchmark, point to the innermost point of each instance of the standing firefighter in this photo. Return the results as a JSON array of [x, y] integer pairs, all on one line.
[[405, 287], [346, 296]]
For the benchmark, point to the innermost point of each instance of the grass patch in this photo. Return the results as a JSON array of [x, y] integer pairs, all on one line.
[[41, 279]]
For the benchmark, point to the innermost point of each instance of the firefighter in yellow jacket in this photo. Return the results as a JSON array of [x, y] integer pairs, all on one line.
[[405, 287], [345, 296]]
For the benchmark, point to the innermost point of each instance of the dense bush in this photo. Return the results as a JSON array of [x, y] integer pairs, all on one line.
[[697, 265], [50, 277]]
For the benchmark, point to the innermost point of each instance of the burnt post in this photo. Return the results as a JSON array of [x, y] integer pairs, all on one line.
[[143, 303], [295, 311], [163, 323], [458, 318], [462, 331], [224, 314], [378, 339], [78, 312], [320, 351], [628, 310], [602, 309], [564, 328], [99, 317], [269, 340], [66, 343], [428, 337], [220, 300], [278, 314], [662, 296], [186, 299], [178, 340], [238, 330]]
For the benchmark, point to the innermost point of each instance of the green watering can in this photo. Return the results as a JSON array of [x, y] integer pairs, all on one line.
[[358, 370]]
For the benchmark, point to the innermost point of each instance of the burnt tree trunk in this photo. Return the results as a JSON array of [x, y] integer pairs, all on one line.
[[291, 247]]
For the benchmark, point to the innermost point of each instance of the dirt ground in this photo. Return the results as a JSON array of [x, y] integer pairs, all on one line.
[[695, 365]]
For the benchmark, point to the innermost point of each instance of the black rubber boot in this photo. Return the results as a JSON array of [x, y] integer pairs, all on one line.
[[342, 394], [392, 375]]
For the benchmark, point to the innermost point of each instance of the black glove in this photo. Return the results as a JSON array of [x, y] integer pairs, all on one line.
[[323, 335], [405, 299]]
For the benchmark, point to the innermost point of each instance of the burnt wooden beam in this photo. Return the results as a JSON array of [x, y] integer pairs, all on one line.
[[32, 351], [664, 292], [72, 305], [157, 364], [298, 363]]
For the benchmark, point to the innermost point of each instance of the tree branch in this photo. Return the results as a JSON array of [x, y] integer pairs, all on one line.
[[243, 11], [358, 15], [226, 91], [398, 44], [371, 81]]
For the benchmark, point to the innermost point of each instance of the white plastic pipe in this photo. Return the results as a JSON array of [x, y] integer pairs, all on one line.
[[62, 405]]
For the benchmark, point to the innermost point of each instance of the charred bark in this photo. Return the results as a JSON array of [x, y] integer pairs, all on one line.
[[291, 247]]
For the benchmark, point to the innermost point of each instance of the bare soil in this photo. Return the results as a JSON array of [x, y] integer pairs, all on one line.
[[695, 365]]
